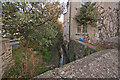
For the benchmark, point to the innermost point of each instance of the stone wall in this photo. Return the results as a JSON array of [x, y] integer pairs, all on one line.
[[110, 22], [6, 54], [114, 41], [79, 49], [102, 64]]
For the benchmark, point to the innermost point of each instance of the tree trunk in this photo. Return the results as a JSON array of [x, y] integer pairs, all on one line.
[[27, 42], [85, 27]]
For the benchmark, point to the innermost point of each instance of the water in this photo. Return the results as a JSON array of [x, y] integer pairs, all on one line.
[[61, 60]]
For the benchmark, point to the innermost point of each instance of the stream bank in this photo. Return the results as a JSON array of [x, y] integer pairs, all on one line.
[[75, 51]]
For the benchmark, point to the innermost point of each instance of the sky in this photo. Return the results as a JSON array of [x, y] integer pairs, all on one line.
[[62, 16]]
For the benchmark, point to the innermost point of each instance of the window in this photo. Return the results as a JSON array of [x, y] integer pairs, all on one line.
[[81, 29]]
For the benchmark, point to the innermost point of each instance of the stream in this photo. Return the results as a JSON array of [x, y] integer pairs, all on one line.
[[61, 60], [63, 56]]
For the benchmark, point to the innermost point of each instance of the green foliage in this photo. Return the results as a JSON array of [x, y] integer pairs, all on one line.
[[32, 24], [37, 29], [116, 48], [16, 71], [40, 69], [85, 47], [91, 52], [38, 53], [86, 51], [77, 43], [33, 44], [71, 56], [75, 46], [99, 48], [88, 14], [58, 59], [47, 55], [84, 54]]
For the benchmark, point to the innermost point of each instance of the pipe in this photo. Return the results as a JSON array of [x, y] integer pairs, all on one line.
[[69, 19]]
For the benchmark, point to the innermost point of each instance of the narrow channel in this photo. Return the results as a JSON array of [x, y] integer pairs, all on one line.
[[63, 56]]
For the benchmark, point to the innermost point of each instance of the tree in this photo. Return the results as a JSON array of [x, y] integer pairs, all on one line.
[[88, 15], [33, 21]]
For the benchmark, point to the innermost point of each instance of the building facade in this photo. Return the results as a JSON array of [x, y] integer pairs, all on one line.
[[73, 31]]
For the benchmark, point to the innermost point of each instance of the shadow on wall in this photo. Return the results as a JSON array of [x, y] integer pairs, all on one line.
[[77, 50]]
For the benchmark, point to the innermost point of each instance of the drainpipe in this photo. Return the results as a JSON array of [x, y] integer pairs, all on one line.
[[69, 18], [118, 14]]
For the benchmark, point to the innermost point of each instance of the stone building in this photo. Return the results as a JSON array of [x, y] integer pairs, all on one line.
[[73, 31]]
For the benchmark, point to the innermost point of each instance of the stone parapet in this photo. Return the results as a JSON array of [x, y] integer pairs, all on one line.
[[102, 64]]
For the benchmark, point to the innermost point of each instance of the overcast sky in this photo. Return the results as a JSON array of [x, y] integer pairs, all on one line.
[[62, 16]]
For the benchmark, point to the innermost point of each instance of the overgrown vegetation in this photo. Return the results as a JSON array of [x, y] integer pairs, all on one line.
[[39, 33], [78, 50], [23, 68], [31, 22], [47, 55]]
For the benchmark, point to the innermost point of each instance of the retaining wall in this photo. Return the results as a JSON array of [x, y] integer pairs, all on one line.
[[102, 64], [5, 54]]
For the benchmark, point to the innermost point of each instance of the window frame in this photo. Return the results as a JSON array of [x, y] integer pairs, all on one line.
[[81, 30]]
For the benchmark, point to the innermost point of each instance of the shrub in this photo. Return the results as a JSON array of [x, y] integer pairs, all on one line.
[[47, 55], [72, 56], [38, 53]]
